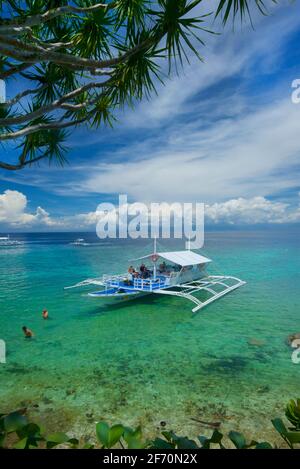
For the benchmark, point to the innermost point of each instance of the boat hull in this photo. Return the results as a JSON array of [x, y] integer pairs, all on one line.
[[112, 295]]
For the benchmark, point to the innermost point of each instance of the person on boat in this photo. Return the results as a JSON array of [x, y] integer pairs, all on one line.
[[162, 267], [131, 272], [27, 332], [45, 314], [144, 271]]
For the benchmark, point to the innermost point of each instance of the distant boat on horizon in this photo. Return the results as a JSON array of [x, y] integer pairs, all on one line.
[[79, 242], [7, 241]]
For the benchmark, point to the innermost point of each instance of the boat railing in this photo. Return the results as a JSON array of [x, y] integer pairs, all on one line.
[[149, 284], [116, 280]]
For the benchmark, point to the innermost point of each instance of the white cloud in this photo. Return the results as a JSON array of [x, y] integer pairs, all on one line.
[[255, 154], [14, 214], [13, 206], [238, 211], [251, 211]]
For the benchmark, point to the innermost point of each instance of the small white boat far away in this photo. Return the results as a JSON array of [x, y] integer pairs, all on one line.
[[79, 242], [7, 241]]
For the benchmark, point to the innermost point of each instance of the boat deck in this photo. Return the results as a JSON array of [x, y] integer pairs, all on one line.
[[139, 284]]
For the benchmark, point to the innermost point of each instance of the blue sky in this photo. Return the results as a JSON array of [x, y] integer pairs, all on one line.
[[224, 132]]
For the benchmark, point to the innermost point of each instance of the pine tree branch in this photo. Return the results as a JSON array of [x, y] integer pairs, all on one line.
[[57, 104], [22, 95], [18, 24], [35, 53], [55, 125], [21, 165], [14, 69]]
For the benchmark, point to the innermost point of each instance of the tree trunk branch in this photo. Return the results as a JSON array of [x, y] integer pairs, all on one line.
[[35, 128], [15, 167], [21, 95], [18, 24], [14, 69], [58, 103], [35, 53]]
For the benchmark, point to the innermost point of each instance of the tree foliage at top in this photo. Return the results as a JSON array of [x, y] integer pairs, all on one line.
[[78, 62]]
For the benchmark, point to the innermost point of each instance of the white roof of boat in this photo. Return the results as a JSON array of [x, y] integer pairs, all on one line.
[[183, 258]]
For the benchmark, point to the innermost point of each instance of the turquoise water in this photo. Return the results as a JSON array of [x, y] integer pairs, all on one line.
[[150, 361]]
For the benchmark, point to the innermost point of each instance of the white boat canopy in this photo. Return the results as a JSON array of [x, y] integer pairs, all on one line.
[[183, 258]]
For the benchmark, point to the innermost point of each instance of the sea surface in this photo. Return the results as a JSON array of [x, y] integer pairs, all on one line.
[[150, 361]]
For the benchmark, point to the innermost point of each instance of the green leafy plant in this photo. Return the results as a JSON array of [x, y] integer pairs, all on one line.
[[291, 435], [109, 436], [17, 432], [292, 413], [171, 440], [134, 438], [239, 442], [231, 8]]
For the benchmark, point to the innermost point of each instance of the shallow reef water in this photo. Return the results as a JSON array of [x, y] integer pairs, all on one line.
[[150, 361]]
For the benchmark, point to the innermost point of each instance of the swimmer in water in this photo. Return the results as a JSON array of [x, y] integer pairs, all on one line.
[[45, 314], [27, 332]]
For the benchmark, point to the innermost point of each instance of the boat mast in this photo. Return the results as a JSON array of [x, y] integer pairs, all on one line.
[[189, 243], [154, 262]]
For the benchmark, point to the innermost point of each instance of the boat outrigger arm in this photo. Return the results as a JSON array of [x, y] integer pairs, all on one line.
[[88, 281], [181, 274], [207, 284]]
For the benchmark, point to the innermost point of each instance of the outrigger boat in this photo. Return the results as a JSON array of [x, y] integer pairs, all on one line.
[[7, 241], [184, 275]]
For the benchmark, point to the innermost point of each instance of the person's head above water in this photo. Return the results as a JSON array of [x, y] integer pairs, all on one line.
[[27, 332]]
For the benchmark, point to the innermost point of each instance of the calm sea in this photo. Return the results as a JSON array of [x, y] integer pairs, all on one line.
[[150, 360]]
